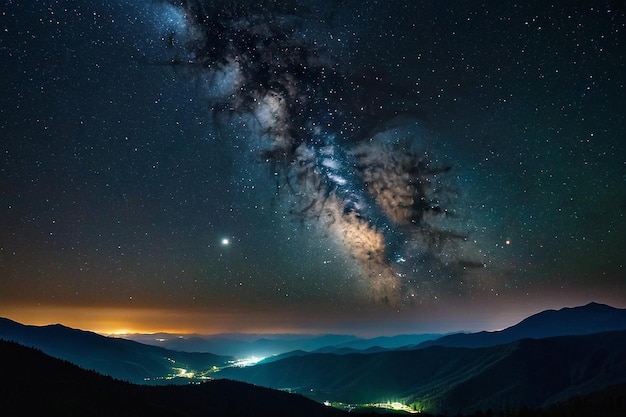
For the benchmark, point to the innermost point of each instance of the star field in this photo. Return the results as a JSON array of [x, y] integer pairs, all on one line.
[[311, 165]]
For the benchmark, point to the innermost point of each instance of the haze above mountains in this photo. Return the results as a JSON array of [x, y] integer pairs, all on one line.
[[591, 318], [264, 345]]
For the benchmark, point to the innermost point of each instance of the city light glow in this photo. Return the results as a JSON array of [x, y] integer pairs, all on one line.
[[249, 361]]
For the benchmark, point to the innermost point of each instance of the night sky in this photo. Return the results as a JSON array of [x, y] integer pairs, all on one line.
[[364, 167]]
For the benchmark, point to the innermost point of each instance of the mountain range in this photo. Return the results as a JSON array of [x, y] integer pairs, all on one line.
[[120, 358], [264, 345], [526, 373], [35, 384], [542, 361], [591, 318], [588, 319]]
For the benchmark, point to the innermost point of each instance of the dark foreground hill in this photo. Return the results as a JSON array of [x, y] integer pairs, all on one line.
[[34, 384], [120, 358], [528, 373], [587, 319]]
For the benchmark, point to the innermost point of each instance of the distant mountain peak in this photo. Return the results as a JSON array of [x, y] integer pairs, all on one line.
[[568, 321]]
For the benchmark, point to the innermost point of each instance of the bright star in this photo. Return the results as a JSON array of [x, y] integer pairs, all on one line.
[[225, 241]]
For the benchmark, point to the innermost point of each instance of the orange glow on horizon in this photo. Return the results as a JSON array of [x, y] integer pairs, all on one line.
[[118, 321], [106, 320]]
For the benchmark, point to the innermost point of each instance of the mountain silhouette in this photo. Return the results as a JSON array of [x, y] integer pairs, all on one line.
[[560, 361], [35, 384], [587, 319], [526, 373], [275, 344], [120, 358]]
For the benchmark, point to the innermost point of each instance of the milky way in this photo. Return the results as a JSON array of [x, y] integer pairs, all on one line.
[[344, 147], [310, 166]]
